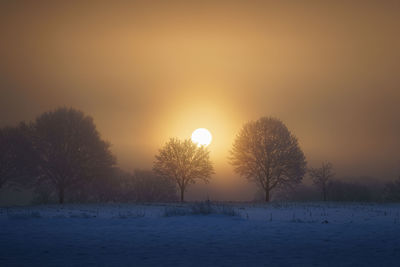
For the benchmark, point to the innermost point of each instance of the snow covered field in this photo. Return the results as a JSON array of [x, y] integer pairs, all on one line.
[[279, 234]]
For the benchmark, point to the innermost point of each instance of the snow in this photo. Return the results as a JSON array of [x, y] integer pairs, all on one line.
[[279, 234]]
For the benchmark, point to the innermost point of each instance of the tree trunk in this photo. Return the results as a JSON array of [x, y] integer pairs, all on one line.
[[266, 195], [324, 193], [182, 194], [61, 195]]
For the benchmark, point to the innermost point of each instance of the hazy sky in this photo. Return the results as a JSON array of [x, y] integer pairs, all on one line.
[[147, 71]]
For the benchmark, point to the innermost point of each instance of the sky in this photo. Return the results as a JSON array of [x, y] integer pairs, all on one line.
[[147, 71]]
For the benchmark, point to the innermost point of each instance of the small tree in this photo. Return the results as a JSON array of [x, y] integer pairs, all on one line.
[[185, 162], [321, 177], [266, 153], [70, 150]]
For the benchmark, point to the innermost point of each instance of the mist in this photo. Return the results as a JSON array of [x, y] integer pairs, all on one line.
[[147, 72]]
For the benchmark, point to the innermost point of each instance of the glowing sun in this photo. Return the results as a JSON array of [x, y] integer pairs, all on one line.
[[202, 137]]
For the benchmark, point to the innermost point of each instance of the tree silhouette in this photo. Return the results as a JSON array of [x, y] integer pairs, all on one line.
[[70, 150], [17, 156], [266, 153], [321, 177], [184, 162]]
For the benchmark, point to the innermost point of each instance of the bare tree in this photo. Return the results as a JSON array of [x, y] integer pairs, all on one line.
[[184, 162], [266, 153], [70, 150], [321, 177]]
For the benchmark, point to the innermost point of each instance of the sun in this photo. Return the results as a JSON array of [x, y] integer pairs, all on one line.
[[202, 137]]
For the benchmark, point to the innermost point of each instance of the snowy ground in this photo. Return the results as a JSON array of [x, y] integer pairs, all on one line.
[[293, 234]]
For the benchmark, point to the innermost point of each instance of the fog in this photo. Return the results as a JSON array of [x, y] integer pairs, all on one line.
[[148, 71]]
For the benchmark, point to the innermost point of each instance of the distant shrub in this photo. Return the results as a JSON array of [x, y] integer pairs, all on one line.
[[146, 186], [357, 189], [345, 191], [202, 208], [131, 214], [29, 215], [82, 215], [175, 211], [300, 193], [392, 191], [43, 194], [228, 211]]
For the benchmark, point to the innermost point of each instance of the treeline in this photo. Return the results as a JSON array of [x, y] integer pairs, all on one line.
[[326, 187], [345, 189], [62, 157], [140, 186]]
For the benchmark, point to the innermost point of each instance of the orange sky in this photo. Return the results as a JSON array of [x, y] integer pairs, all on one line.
[[149, 71]]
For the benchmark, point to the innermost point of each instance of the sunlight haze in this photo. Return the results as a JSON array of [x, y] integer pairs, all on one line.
[[146, 73]]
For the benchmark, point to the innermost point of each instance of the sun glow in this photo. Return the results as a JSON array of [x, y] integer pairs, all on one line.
[[202, 137]]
